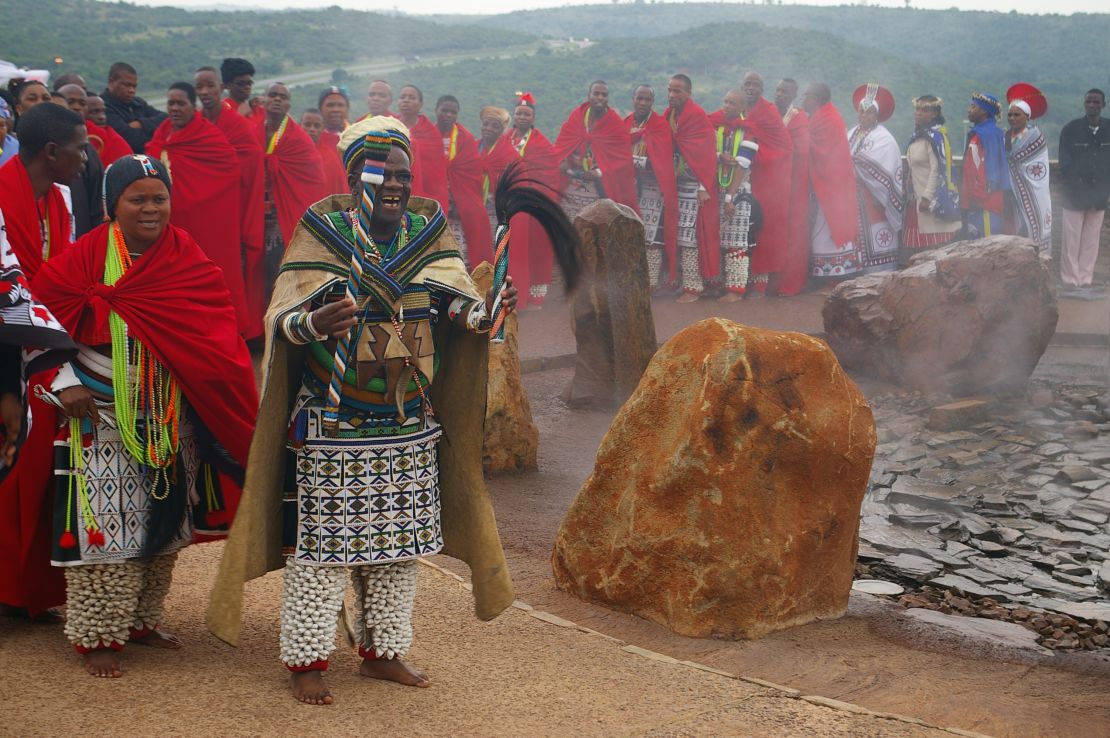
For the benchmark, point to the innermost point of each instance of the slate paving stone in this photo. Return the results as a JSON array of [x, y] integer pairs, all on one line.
[[912, 567], [1082, 610], [969, 587], [1006, 567], [1080, 525], [983, 577], [1044, 583], [1081, 511], [1074, 474], [1016, 507]]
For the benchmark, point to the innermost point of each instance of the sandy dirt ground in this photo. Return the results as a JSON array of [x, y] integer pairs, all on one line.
[[523, 676], [874, 656], [514, 676]]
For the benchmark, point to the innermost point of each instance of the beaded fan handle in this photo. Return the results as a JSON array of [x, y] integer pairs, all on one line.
[[500, 270], [375, 148]]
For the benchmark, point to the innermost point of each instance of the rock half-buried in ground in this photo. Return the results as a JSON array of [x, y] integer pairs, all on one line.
[[726, 495], [974, 316]]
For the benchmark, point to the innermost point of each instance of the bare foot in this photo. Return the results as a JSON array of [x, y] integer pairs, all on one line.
[[730, 297], [159, 639], [687, 297], [103, 662], [309, 687], [394, 670]]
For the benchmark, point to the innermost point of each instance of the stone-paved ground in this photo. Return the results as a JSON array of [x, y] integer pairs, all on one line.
[[1005, 518]]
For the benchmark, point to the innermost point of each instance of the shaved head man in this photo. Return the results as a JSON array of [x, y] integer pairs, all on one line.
[[753, 87], [785, 93], [70, 79], [379, 97], [76, 98], [816, 95], [94, 110]]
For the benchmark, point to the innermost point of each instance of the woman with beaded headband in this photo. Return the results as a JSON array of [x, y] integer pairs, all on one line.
[[530, 260], [932, 214], [161, 402], [1029, 207], [877, 159], [375, 349], [496, 153]]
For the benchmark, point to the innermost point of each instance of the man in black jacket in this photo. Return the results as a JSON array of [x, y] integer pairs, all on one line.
[[1085, 171], [129, 115]]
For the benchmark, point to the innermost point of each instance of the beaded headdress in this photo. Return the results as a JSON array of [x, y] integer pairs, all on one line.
[[988, 102], [1028, 99], [125, 170]]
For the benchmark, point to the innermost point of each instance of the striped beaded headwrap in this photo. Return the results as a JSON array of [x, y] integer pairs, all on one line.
[[352, 143]]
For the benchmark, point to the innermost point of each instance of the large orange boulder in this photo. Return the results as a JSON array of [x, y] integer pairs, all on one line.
[[726, 495]]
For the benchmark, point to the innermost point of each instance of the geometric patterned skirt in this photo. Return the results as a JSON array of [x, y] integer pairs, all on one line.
[[578, 196], [353, 500], [118, 495]]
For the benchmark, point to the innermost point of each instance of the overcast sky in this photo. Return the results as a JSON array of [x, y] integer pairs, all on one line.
[[503, 6]]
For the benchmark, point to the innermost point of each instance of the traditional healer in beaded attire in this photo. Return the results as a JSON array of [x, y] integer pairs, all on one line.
[[161, 403], [373, 303]]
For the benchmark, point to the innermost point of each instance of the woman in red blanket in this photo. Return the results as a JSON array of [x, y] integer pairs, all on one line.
[[205, 169], [531, 258], [161, 400]]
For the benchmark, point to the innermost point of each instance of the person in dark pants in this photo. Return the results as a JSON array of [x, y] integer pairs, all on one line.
[[130, 115], [1085, 171]]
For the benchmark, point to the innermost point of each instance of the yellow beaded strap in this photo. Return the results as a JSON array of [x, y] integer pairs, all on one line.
[[588, 155], [453, 146], [276, 138], [148, 394]]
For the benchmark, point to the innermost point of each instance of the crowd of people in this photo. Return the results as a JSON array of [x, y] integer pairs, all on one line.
[[758, 197], [142, 249]]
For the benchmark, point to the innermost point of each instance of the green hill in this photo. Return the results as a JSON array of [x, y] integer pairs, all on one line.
[[167, 44]]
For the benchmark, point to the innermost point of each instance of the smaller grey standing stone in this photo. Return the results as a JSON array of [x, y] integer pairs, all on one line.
[[614, 331]]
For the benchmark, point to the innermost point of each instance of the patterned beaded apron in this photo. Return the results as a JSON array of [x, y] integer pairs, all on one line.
[[366, 500], [119, 498]]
